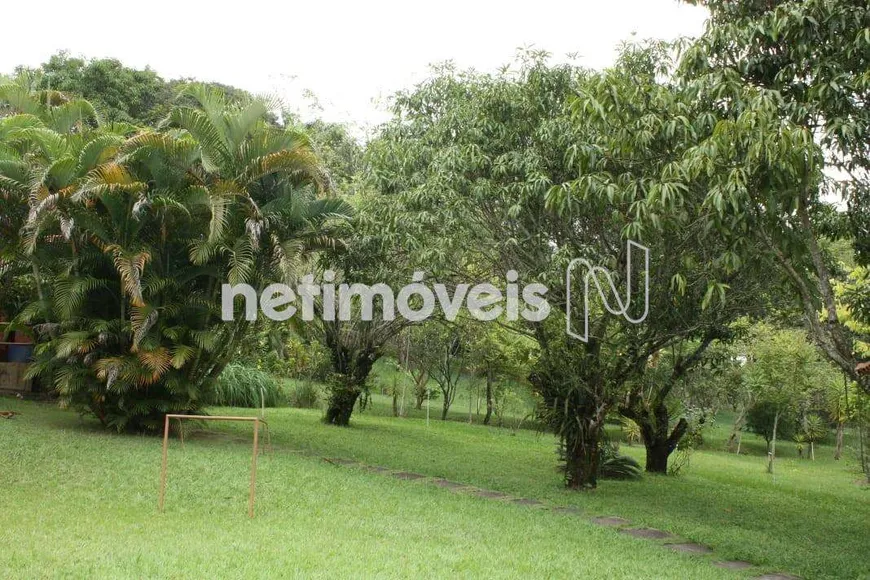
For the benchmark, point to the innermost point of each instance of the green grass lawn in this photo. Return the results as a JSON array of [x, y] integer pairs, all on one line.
[[77, 502]]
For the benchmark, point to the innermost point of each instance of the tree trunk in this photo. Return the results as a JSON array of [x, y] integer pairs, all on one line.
[[488, 416], [656, 458], [582, 457], [734, 438], [420, 381], [445, 407], [470, 407], [659, 445], [654, 423], [341, 404], [838, 450], [772, 453]]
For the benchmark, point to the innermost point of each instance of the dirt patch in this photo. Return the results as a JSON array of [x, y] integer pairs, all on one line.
[[647, 533]]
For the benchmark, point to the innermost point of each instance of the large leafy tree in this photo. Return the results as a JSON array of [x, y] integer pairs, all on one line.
[[530, 168], [138, 234], [787, 74], [369, 256]]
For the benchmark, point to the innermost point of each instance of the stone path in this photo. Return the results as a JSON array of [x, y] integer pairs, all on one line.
[[621, 525], [690, 548], [611, 522], [647, 533]]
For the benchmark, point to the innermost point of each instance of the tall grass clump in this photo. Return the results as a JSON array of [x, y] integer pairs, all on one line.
[[242, 386], [306, 395]]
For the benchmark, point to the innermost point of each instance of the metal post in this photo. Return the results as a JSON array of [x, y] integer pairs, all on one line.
[[256, 450], [254, 468], [163, 467]]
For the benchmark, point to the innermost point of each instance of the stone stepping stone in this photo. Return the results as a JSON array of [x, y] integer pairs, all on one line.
[[340, 461], [490, 494], [378, 469], [527, 501], [569, 509], [733, 565], [610, 521], [777, 576], [448, 484], [690, 548], [647, 533], [408, 475]]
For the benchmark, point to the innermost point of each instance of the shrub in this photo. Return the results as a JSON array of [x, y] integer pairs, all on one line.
[[630, 430], [242, 386], [759, 420], [616, 466], [306, 395]]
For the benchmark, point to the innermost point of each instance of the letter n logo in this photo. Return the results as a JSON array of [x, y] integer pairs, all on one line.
[[596, 273]]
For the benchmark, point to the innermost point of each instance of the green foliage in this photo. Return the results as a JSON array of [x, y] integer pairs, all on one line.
[[340, 153], [785, 369], [120, 94], [794, 73], [537, 165], [613, 465], [853, 296], [17, 293], [630, 430], [273, 347], [306, 395], [131, 235], [760, 418], [814, 429], [242, 386]]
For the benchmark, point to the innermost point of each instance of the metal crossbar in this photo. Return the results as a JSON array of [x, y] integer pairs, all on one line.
[[257, 421]]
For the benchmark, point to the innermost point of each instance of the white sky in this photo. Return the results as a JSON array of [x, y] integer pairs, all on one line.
[[349, 54]]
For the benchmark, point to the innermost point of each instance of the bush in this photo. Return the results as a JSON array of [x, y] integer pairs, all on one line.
[[306, 395], [630, 430], [616, 466], [242, 386], [759, 420]]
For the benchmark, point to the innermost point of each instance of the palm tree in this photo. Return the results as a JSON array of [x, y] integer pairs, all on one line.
[[813, 430], [142, 231], [44, 148]]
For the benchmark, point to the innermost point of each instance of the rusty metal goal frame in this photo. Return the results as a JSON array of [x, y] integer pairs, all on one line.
[[257, 421]]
